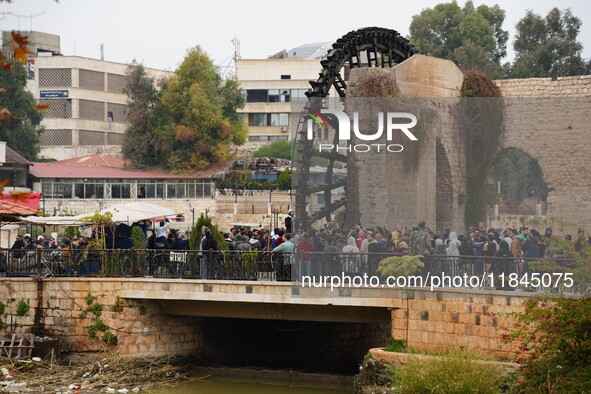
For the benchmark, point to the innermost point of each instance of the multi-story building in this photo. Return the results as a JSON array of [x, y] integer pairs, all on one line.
[[275, 90], [87, 107]]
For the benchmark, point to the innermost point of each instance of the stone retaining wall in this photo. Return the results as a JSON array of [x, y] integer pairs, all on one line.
[[577, 86], [474, 322]]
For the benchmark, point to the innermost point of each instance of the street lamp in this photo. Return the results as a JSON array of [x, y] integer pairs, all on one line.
[[192, 214]]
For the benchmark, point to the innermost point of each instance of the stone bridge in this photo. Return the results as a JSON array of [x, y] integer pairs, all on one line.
[[238, 320]]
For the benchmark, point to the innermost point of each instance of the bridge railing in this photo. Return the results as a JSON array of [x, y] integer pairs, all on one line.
[[452, 271]]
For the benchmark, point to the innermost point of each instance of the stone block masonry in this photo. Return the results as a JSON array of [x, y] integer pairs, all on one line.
[[143, 329], [576, 86], [454, 320]]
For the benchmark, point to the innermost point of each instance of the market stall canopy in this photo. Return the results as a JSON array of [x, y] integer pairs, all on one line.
[[122, 213], [136, 211]]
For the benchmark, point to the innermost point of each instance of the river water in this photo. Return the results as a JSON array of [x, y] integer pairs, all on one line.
[[219, 387], [224, 380]]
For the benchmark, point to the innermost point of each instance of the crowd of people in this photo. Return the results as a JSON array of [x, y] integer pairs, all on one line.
[[476, 241]]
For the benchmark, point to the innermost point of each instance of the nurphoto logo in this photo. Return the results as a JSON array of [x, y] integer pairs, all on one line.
[[402, 121]]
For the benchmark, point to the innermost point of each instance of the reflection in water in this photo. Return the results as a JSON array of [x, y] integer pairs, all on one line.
[[213, 387]]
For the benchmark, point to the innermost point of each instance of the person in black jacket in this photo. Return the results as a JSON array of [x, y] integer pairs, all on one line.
[[209, 246], [289, 221], [504, 266], [17, 247]]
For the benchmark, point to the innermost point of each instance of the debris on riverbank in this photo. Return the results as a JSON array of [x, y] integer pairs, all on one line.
[[108, 374]]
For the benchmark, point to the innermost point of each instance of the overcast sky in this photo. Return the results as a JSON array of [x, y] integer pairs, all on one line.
[[158, 32]]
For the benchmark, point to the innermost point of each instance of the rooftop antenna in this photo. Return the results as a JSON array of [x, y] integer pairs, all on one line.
[[236, 43], [102, 51]]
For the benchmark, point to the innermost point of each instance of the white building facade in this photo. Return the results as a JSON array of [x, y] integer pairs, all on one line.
[[275, 92], [87, 106]]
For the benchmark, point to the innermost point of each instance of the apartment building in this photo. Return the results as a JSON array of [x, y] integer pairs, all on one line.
[[87, 107]]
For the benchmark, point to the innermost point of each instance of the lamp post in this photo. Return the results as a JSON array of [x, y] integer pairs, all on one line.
[[192, 214]]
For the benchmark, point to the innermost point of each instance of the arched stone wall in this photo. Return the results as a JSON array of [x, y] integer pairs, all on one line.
[[556, 132]]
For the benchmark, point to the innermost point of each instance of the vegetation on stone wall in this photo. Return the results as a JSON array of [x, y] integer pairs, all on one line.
[[375, 84], [22, 307], [97, 326], [481, 116]]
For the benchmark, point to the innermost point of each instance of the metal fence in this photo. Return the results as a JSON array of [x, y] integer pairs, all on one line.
[[494, 272]]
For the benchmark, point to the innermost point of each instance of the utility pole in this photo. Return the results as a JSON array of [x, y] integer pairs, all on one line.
[[236, 43]]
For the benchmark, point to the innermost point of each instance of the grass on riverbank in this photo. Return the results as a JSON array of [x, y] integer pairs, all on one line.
[[457, 372], [399, 346], [454, 371]]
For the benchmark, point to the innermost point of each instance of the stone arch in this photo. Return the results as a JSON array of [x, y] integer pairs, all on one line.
[[555, 132], [524, 185], [444, 188]]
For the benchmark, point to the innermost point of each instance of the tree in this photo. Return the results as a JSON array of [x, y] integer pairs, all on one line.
[[20, 117], [277, 149], [202, 113], [190, 123], [143, 140], [548, 47], [471, 37], [284, 180]]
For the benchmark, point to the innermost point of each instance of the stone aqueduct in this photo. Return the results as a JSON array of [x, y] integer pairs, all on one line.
[[548, 119]]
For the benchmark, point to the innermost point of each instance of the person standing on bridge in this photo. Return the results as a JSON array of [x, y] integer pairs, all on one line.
[[419, 240], [289, 221], [286, 248], [160, 237]]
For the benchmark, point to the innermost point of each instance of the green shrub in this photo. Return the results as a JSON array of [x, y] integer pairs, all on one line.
[[396, 345], [110, 338], [22, 308], [555, 345], [401, 265], [456, 373], [138, 240]]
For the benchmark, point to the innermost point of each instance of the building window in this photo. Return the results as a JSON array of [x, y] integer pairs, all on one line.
[[258, 138], [280, 119], [56, 137], [91, 110], [274, 95], [273, 138], [125, 188], [58, 108], [257, 119], [92, 80], [62, 190], [320, 199], [257, 96], [274, 119], [285, 76], [299, 95], [55, 77]]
